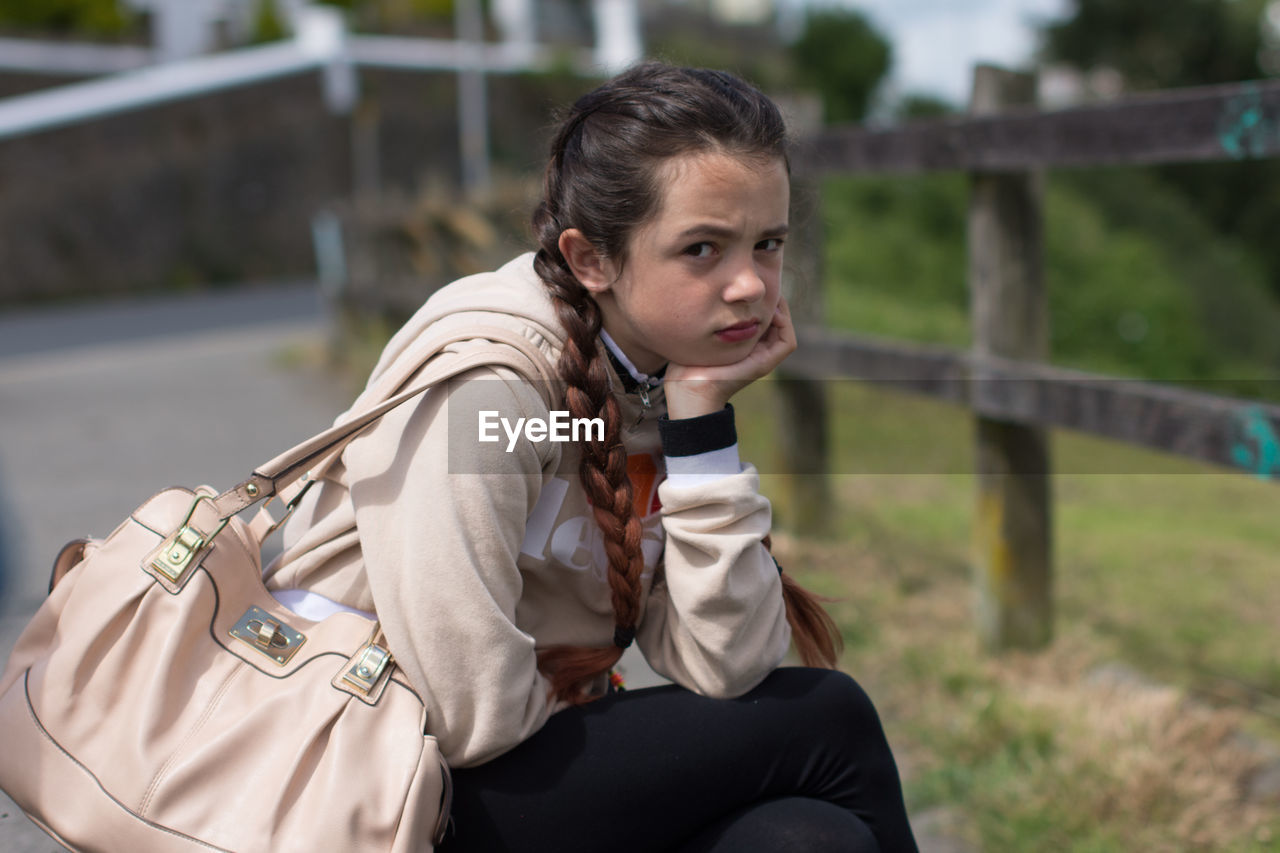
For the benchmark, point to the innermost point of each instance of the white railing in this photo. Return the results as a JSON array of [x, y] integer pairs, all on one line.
[[63, 105], [421, 54], [321, 43]]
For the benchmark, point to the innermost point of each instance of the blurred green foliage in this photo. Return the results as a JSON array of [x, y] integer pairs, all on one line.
[[115, 19], [843, 57], [268, 23], [398, 16], [1155, 44], [1138, 283], [107, 18], [914, 106]]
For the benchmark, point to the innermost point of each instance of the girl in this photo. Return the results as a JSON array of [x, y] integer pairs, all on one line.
[[510, 570]]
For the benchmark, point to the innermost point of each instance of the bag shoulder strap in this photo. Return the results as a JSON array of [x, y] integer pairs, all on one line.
[[269, 478]]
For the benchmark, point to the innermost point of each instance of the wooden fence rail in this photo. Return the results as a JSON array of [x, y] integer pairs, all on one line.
[[1005, 380], [1212, 123], [1231, 432]]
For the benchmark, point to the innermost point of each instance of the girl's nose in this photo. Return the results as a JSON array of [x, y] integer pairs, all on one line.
[[747, 285]]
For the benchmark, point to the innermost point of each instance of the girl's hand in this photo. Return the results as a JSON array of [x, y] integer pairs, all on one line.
[[694, 390]]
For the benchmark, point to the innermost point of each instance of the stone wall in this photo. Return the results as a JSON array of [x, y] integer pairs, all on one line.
[[222, 188]]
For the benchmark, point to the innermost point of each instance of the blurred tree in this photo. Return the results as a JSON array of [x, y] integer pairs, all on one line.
[[402, 17], [268, 25], [1161, 44], [844, 58], [913, 106], [91, 17]]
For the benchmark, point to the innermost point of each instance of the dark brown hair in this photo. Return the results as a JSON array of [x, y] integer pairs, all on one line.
[[603, 178]]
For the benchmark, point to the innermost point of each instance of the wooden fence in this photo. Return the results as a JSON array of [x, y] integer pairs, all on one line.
[[1004, 379]]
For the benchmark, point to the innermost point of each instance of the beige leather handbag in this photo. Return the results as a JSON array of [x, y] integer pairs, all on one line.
[[161, 699]]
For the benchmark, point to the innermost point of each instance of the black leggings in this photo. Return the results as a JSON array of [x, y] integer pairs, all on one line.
[[798, 764]]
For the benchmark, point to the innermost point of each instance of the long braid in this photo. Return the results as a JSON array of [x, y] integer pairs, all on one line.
[[602, 470]]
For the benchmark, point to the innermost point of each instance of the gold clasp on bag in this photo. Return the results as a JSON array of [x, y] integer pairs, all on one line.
[[180, 550], [177, 552], [258, 630]]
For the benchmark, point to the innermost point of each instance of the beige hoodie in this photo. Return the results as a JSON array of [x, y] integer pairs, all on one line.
[[474, 557]]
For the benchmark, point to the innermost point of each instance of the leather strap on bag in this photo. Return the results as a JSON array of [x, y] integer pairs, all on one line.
[[274, 475]]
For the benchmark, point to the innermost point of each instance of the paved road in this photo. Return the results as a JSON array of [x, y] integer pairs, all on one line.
[[104, 405], [101, 407]]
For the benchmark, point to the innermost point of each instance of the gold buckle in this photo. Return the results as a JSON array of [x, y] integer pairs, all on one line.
[[175, 555], [262, 633], [178, 552]]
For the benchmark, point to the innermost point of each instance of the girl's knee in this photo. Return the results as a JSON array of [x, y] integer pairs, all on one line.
[[843, 722], [834, 698]]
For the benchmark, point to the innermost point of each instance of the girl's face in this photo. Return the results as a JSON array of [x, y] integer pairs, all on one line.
[[702, 277]]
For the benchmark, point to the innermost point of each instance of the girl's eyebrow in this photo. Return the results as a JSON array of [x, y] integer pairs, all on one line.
[[723, 233]]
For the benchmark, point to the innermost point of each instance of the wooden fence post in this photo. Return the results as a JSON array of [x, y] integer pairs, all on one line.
[[1010, 317], [802, 401], [802, 410], [366, 168]]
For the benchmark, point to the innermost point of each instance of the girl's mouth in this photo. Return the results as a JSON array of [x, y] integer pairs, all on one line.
[[739, 331]]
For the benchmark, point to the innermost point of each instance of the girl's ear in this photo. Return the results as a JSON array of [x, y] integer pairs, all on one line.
[[587, 265]]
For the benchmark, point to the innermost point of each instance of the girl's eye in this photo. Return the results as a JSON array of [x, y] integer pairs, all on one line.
[[773, 244], [700, 250]]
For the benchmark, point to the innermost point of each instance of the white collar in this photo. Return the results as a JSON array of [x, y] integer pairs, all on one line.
[[642, 379]]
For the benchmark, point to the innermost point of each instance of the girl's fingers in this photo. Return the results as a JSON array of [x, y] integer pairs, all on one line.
[[785, 326], [780, 340]]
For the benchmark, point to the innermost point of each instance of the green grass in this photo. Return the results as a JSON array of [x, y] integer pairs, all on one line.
[[1162, 563], [1179, 560]]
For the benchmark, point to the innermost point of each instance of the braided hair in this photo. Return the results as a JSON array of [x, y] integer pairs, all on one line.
[[603, 178]]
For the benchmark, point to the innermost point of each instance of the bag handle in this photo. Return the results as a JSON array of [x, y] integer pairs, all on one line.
[[272, 476]]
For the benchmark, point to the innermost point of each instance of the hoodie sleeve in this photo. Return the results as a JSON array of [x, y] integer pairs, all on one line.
[[441, 516], [715, 621]]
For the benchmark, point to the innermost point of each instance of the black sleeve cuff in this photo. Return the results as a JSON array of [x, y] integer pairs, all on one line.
[[703, 434]]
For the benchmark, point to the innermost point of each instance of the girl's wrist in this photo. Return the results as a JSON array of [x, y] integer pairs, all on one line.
[[691, 409], [684, 403]]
